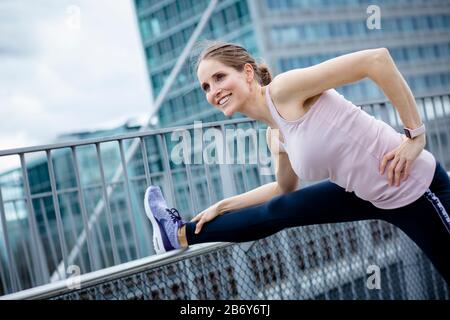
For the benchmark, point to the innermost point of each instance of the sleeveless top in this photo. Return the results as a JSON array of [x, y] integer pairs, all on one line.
[[339, 141]]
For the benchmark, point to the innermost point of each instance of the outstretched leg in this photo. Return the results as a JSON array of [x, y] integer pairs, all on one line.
[[324, 202]]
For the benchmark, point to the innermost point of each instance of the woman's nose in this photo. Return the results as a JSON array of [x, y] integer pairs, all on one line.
[[217, 92]]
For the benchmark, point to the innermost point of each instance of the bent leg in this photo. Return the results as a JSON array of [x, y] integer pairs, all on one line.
[[423, 222]]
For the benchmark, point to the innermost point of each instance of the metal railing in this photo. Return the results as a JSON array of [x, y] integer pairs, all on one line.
[[50, 212]]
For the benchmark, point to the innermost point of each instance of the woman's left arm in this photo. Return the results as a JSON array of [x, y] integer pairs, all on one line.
[[394, 86]]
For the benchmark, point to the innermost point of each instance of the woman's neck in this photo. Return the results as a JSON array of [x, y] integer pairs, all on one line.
[[257, 108]]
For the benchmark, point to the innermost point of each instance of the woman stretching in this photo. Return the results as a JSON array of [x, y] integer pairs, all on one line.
[[372, 171]]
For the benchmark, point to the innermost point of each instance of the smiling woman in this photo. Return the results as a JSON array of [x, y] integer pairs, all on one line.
[[322, 136], [228, 64]]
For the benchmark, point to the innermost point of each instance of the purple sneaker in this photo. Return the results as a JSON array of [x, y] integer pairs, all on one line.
[[165, 221]]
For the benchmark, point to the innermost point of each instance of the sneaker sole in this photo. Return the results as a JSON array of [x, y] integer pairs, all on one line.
[[157, 238]]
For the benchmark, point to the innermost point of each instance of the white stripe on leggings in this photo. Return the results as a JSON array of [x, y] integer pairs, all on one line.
[[439, 208]]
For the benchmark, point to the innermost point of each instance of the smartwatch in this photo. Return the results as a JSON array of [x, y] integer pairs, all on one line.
[[412, 133]]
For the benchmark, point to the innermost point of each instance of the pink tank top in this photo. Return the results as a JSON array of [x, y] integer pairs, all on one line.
[[339, 141]]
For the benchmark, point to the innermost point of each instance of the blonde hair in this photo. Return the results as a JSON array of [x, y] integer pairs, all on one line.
[[235, 56]]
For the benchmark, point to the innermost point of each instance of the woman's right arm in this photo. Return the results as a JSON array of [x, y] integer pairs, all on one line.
[[286, 182]]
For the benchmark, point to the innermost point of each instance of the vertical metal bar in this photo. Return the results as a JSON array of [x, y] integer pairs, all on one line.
[[243, 166], [145, 161], [98, 233], [4, 286], [42, 275], [258, 164], [59, 224], [130, 213], [430, 141], [166, 166], [438, 133], [446, 127], [208, 183], [193, 191], [74, 233], [92, 257], [107, 207], [148, 179], [101, 240], [226, 174], [12, 267], [48, 232], [24, 248], [245, 177], [123, 236]]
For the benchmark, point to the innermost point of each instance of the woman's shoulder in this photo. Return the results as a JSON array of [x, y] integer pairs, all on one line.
[[283, 96]]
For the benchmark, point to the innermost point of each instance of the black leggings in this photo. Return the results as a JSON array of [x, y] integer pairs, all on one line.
[[425, 221]]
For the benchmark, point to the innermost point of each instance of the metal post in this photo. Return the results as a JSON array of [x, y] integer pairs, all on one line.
[[59, 224], [12, 268], [127, 188], [167, 171], [74, 232], [109, 220], [38, 254], [226, 174], [92, 258], [48, 232]]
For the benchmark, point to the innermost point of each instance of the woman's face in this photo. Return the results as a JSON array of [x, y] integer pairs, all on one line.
[[225, 87]]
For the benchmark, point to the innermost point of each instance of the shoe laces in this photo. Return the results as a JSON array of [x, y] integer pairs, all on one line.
[[174, 215]]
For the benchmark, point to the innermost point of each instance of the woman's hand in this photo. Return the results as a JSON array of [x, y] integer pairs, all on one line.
[[205, 216], [402, 157]]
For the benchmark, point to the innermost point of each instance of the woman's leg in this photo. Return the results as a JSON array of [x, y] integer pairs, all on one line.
[[424, 222], [320, 203]]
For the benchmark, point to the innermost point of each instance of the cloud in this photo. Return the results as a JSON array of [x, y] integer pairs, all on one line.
[[68, 66]]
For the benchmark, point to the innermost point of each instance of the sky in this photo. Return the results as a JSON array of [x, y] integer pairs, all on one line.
[[68, 66]]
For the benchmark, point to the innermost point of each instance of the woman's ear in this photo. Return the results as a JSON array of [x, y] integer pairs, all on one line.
[[249, 72]]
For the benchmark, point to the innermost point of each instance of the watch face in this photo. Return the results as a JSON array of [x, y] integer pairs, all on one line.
[[407, 133]]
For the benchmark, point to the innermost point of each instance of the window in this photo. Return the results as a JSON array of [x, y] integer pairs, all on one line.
[[407, 24], [242, 11], [231, 15], [156, 29], [218, 22]]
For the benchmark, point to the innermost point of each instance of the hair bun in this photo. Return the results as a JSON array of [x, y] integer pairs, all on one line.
[[264, 74]]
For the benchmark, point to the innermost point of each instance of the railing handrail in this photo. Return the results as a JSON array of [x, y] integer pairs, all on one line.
[[137, 134]]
